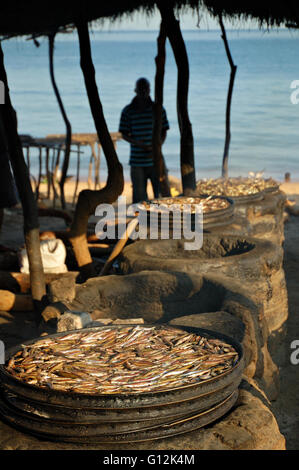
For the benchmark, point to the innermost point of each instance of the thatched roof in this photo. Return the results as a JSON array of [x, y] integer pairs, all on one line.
[[35, 17], [266, 12]]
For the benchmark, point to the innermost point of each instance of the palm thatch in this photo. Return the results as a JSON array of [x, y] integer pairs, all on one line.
[[267, 12], [38, 18]]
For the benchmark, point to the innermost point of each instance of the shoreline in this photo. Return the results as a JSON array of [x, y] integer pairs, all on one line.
[[291, 189]]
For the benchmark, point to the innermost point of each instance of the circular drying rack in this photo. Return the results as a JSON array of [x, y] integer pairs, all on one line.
[[124, 417]]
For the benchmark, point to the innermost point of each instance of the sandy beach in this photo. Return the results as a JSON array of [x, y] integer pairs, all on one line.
[[291, 189], [70, 189]]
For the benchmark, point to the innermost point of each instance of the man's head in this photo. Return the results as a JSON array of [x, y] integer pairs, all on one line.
[[142, 88]]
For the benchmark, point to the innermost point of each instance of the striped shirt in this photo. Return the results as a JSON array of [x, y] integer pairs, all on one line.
[[139, 125]]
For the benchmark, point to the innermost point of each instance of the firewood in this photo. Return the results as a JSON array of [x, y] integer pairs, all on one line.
[[15, 302], [20, 282], [119, 246]]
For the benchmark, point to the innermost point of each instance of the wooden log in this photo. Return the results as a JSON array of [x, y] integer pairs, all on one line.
[[20, 282], [15, 302], [119, 247]]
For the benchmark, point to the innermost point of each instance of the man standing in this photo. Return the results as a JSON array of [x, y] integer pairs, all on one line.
[[136, 127]]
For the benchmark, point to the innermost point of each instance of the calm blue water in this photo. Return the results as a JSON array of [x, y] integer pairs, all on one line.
[[264, 122]]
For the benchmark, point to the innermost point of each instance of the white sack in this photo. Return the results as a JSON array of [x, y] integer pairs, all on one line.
[[53, 254]]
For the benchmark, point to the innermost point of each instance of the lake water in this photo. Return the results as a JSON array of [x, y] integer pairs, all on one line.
[[264, 122]]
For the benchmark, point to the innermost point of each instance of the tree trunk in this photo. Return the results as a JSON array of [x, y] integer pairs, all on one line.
[[228, 102], [31, 225], [159, 161], [173, 31], [68, 140], [88, 200]]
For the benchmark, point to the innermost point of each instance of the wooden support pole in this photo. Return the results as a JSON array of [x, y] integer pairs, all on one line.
[[68, 139], [48, 174], [77, 174], [97, 167], [88, 200], [228, 102], [91, 160], [54, 175], [174, 34], [158, 106], [31, 226], [39, 172]]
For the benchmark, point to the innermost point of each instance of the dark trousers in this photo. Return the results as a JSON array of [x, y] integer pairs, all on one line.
[[139, 177]]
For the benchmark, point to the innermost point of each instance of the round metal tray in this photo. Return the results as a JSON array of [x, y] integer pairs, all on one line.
[[88, 434], [244, 199], [59, 413], [212, 218], [82, 418], [128, 400], [272, 189]]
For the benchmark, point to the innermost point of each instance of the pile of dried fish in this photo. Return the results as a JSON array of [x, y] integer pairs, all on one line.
[[209, 204], [234, 187], [131, 359]]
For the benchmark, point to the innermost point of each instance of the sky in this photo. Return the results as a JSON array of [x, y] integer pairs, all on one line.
[[188, 21]]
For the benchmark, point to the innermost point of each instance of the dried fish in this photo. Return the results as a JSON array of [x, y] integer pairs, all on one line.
[[133, 359], [191, 204], [235, 186]]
